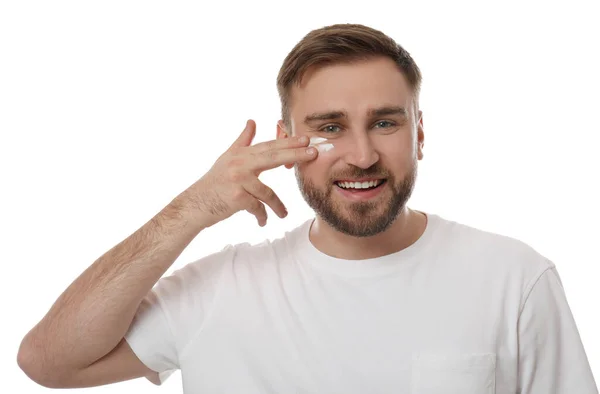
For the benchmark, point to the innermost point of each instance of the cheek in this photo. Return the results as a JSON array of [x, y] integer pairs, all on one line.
[[319, 169], [398, 157], [401, 145]]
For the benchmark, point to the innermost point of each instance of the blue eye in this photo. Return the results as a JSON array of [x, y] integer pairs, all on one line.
[[383, 124], [327, 129], [389, 124]]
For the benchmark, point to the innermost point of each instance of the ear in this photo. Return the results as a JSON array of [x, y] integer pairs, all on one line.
[[282, 132], [420, 136]]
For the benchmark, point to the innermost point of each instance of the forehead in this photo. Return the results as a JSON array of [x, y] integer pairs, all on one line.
[[354, 87]]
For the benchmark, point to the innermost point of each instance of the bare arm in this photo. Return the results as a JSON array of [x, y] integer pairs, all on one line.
[[79, 342], [93, 314]]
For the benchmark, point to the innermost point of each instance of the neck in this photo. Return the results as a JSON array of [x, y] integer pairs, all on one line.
[[406, 230]]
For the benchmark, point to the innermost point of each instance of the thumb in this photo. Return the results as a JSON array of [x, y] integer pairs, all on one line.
[[245, 139]]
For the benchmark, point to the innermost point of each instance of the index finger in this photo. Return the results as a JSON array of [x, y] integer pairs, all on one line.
[[275, 158], [281, 143]]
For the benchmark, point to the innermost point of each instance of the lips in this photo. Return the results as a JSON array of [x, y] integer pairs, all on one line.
[[361, 185], [356, 192]]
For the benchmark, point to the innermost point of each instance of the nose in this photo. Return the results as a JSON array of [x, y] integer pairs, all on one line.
[[361, 152]]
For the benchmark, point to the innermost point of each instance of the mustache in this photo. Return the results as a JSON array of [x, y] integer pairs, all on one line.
[[356, 172]]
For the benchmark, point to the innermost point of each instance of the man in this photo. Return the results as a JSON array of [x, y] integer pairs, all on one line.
[[369, 297]]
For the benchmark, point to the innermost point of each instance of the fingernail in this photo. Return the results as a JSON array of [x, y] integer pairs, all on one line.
[[311, 151], [303, 139]]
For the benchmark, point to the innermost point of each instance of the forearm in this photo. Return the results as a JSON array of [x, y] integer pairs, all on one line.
[[93, 314]]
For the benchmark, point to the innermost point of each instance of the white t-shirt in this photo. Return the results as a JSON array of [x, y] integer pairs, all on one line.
[[461, 311]]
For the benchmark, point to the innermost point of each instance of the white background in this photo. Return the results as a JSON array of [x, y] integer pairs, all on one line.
[[110, 109]]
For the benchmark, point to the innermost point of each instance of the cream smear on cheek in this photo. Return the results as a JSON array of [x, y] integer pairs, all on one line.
[[322, 144]]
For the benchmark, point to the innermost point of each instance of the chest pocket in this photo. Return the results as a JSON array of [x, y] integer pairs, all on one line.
[[453, 374]]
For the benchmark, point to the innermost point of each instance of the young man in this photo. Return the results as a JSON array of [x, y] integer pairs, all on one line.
[[370, 296]]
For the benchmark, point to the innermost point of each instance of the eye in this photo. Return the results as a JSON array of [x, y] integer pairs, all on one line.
[[330, 129], [385, 124]]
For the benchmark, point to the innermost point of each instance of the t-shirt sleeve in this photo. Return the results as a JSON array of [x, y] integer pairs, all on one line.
[[173, 312], [552, 359]]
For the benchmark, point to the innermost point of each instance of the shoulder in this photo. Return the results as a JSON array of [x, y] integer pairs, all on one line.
[[491, 252], [270, 253], [244, 257]]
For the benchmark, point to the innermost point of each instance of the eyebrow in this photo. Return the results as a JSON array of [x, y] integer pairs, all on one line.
[[374, 112]]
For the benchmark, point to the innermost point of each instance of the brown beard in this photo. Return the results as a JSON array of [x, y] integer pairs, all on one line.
[[359, 219]]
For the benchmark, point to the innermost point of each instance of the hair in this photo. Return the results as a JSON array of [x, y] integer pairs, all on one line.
[[337, 44]]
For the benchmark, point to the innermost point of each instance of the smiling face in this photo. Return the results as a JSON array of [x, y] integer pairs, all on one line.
[[365, 110]]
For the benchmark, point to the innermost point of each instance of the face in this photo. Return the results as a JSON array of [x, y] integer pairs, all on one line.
[[365, 110]]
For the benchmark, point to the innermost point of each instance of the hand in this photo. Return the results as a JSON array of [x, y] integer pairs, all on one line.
[[232, 183]]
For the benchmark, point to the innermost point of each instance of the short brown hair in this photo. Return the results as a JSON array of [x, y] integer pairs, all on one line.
[[342, 43]]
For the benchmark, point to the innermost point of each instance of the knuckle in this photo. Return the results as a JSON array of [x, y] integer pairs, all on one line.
[[302, 153], [254, 157], [268, 192], [297, 154], [259, 187], [235, 175], [273, 155], [238, 195], [272, 144], [236, 162], [257, 206]]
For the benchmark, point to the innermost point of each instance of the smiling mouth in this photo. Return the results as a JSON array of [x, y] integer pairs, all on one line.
[[355, 186]]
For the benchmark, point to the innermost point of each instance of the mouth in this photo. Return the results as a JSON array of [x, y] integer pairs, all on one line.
[[360, 186]]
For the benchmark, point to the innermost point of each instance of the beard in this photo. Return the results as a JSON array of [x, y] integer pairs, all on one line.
[[360, 218]]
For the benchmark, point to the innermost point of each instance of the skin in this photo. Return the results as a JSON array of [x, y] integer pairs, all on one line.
[[79, 343], [388, 146]]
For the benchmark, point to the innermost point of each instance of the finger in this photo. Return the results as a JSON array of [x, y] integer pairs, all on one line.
[[257, 209], [264, 193], [275, 158], [246, 137], [281, 143]]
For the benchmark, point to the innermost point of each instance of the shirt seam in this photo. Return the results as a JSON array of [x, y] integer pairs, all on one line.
[[530, 287]]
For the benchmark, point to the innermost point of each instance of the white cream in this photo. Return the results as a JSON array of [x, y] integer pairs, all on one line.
[[319, 143], [317, 140], [324, 147]]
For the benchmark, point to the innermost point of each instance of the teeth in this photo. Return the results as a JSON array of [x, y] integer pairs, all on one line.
[[358, 185]]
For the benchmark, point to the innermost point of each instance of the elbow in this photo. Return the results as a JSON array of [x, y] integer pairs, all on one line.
[[31, 364], [27, 363]]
